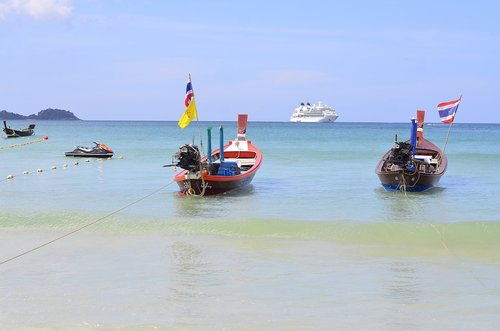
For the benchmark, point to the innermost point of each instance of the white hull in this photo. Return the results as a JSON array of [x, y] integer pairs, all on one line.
[[328, 118]]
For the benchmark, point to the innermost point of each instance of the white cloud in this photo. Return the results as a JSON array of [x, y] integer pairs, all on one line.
[[36, 9]]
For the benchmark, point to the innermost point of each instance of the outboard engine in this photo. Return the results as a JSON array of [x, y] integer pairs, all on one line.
[[401, 153], [189, 157]]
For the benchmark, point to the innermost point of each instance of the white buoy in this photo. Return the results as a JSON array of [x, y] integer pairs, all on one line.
[[77, 163], [39, 170], [26, 172], [121, 157], [109, 158], [87, 160], [65, 165], [54, 167], [10, 177]]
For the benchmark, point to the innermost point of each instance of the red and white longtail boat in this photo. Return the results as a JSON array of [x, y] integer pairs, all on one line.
[[229, 167]]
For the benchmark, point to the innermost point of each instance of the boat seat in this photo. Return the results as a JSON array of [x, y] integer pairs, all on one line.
[[85, 149], [423, 158], [242, 161], [427, 159]]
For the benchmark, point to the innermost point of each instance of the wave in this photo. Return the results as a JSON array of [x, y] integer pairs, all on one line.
[[479, 238]]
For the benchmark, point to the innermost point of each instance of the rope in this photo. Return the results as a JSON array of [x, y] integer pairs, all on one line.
[[7, 178], [416, 180], [24, 144], [402, 182], [84, 226], [203, 186], [417, 208], [456, 256], [403, 187]]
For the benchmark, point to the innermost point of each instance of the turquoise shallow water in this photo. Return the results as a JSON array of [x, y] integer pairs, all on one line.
[[310, 172], [314, 242]]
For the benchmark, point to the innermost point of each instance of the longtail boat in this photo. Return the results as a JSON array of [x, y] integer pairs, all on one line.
[[11, 133], [227, 168], [414, 165]]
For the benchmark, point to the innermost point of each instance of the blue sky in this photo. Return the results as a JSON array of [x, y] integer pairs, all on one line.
[[373, 61]]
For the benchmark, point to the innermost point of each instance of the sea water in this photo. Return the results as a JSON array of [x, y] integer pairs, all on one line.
[[313, 243]]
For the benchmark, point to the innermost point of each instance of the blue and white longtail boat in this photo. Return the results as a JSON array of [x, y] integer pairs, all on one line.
[[414, 165]]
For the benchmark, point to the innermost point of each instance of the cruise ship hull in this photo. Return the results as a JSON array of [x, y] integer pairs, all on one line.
[[319, 119]]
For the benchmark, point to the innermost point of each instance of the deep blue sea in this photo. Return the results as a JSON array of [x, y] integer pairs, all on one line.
[[315, 242]]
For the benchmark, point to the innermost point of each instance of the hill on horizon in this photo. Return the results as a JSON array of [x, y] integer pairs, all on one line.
[[46, 114]]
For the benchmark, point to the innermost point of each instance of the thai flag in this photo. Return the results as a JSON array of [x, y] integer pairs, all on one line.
[[189, 92], [447, 110]]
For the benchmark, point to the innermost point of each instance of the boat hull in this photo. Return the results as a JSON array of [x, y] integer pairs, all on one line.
[[213, 184], [394, 178], [328, 118], [191, 183], [417, 182], [19, 134], [98, 151], [11, 133], [96, 155]]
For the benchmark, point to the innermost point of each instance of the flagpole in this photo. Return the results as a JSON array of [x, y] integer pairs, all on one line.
[[197, 121], [449, 128], [447, 135]]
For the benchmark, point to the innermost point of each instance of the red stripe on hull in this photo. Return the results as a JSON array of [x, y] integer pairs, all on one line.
[[220, 184]]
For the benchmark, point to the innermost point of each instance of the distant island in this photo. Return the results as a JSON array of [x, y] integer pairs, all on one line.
[[46, 114]]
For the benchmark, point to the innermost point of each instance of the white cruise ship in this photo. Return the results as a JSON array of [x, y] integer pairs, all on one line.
[[313, 113]]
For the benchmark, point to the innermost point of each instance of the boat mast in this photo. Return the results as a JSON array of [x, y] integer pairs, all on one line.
[[197, 121], [221, 144], [413, 139], [242, 126], [209, 147], [420, 126]]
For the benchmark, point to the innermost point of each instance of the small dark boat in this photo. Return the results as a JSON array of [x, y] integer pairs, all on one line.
[[11, 133], [414, 165], [230, 167], [99, 150]]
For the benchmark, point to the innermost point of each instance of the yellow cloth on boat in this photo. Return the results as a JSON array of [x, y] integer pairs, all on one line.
[[189, 114]]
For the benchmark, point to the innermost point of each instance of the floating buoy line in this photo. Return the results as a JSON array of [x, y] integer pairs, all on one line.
[[54, 167], [25, 143], [38, 170]]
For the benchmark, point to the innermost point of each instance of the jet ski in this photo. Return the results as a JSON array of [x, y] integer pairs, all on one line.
[[99, 150]]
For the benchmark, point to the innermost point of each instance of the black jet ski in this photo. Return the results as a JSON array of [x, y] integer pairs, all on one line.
[[99, 150]]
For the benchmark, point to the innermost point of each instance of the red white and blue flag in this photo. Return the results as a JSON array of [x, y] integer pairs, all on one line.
[[447, 110], [190, 113], [189, 92]]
